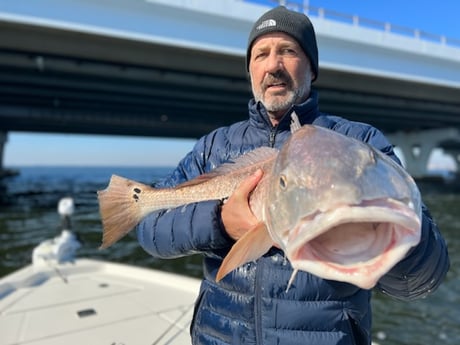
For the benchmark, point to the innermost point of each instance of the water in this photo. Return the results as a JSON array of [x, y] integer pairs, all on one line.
[[28, 215]]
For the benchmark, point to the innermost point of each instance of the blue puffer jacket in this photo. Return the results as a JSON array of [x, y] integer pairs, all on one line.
[[251, 305]]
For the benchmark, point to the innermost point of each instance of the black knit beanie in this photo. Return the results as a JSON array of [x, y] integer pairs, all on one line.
[[295, 24]]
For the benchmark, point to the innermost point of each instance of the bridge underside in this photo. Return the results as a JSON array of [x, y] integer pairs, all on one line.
[[66, 81]]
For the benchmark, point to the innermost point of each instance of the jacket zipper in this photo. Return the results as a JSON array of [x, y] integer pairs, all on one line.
[[258, 287], [271, 141]]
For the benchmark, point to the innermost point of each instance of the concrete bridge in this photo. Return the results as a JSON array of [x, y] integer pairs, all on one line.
[[175, 68]]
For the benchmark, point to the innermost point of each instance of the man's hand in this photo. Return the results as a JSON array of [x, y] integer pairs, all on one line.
[[236, 214]]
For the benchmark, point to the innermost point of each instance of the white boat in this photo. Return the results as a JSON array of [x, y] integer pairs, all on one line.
[[58, 300]]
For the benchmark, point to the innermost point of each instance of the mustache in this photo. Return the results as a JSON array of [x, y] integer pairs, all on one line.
[[277, 77]]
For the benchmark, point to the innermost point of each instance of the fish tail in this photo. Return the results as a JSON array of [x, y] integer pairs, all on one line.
[[120, 207]]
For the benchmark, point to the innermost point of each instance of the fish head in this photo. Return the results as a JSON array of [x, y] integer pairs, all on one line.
[[339, 208]]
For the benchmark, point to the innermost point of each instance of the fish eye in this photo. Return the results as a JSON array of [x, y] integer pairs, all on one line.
[[283, 182]]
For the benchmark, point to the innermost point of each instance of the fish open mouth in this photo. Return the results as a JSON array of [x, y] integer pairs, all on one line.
[[350, 243], [355, 244]]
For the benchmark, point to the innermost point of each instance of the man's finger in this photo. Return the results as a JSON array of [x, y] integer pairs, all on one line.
[[248, 185]]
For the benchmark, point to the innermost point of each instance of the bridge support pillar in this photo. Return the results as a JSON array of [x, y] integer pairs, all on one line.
[[4, 172], [3, 140], [418, 146], [455, 153]]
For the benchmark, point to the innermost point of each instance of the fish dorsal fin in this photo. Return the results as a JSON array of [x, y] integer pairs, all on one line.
[[254, 243], [295, 123], [251, 161]]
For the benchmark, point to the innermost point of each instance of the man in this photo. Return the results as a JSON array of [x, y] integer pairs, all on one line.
[[251, 304]]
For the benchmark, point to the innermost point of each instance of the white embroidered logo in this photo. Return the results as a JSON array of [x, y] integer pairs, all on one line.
[[266, 24]]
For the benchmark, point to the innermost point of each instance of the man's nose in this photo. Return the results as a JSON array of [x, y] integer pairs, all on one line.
[[274, 63]]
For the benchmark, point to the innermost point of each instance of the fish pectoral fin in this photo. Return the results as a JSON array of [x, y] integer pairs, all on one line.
[[255, 243]]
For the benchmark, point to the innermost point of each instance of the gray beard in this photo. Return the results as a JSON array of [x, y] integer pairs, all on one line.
[[293, 97], [276, 105]]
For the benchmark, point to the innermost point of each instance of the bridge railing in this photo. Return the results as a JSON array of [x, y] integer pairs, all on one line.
[[322, 13]]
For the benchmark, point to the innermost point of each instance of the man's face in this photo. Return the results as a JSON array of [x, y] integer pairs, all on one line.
[[280, 73]]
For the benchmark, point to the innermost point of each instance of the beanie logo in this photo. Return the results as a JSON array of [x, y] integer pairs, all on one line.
[[266, 23]]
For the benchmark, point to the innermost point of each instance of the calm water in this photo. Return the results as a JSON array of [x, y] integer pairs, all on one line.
[[28, 215]]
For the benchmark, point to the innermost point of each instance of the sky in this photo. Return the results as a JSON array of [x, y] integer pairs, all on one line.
[[32, 149]]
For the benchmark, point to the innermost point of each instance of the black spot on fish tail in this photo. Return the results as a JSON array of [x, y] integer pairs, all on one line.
[[136, 192]]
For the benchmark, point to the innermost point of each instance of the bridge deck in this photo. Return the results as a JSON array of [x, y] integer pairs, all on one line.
[[170, 68]]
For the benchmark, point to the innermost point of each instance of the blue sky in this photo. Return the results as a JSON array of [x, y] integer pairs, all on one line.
[[440, 17]]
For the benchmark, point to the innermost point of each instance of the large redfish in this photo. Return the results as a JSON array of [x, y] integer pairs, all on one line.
[[338, 208]]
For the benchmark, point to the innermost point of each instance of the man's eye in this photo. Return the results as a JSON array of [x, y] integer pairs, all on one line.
[[289, 51], [259, 56]]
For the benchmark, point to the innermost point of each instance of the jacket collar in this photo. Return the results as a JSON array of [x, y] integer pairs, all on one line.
[[306, 111]]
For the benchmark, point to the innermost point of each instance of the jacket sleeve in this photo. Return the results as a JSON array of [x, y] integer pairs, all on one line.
[[190, 229], [426, 265]]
